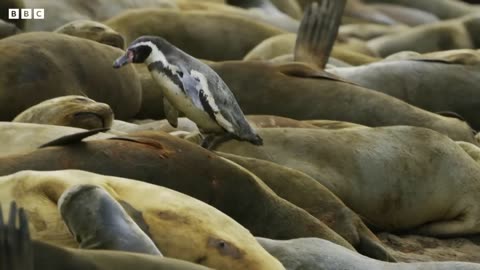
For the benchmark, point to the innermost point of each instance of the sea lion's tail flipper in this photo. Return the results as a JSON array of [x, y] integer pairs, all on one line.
[[15, 243], [74, 138], [318, 32], [372, 247]]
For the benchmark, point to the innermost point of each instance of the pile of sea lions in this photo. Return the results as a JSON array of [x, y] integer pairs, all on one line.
[[253, 134]]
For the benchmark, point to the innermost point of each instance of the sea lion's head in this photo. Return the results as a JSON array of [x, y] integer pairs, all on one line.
[[94, 31], [74, 111]]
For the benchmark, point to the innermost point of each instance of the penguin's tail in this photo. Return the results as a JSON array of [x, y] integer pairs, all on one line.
[[257, 140], [318, 32]]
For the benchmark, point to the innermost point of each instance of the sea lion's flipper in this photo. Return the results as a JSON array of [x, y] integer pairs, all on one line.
[[371, 246], [15, 243], [305, 71], [74, 138], [171, 113], [318, 32]]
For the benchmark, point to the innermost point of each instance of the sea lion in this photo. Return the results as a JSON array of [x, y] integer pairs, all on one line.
[[318, 96], [40, 66], [314, 253], [266, 11], [58, 13], [34, 254], [305, 192], [182, 227], [350, 162], [238, 34], [17, 138], [97, 221], [445, 35], [444, 9], [445, 81], [5, 5], [471, 149], [406, 15], [7, 29], [72, 111], [284, 44], [367, 31], [328, 124], [165, 160], [94, 31]]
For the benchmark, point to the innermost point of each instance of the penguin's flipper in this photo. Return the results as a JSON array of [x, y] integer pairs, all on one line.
[[73, 138], [170, 112], [15, 243], [318, 32]]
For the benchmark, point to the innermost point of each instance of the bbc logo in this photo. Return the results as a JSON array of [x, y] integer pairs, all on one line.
[[26, 13]]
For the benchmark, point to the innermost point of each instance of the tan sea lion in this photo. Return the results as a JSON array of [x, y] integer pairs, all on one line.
[[437, 82], [366, 31], [17, 138], [38, 255], [238, 34], [444, 35], [40, 66], [182, 227], [314, 253], [406, 15], [305, 192], [328, 124], [385, 163], [289, 7], [94, 31], [72, 111], [165, 160], [444, 9]]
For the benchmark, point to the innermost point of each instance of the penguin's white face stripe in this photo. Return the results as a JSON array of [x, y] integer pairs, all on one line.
[[156, 56], [211, 102]]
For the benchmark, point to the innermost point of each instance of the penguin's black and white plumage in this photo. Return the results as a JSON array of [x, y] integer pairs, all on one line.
[[192, 88]]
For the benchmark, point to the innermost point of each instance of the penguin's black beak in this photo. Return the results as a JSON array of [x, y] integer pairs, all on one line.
[[123, 60]]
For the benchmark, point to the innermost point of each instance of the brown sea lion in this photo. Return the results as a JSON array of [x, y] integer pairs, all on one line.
[[313, 95], [328, 124], [386, 164], [7, 29], [445, 81], [94, 31], [180, 226], [218, 37], [58, 13], [40, 66], [162, 159], [17, 138], [366, 31], [307, 193], [5, 5], [72, 111]]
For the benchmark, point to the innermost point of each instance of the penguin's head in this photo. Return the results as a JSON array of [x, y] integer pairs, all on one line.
[[146, 49]]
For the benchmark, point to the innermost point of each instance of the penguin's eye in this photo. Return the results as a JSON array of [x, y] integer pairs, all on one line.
[[180, 74]]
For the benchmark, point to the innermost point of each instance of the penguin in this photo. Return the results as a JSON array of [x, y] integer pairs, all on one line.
[[193, 88]]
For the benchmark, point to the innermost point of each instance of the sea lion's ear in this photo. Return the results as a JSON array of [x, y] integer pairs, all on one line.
[[73, 138], [318, 31]]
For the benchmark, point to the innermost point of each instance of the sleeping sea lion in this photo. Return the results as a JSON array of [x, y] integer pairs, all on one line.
[[182, 227], [73, 111], [94, 31], [40, 66]]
